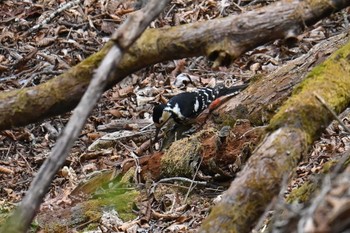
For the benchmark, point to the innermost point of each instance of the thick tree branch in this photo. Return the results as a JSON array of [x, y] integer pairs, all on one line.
[[221, 40]]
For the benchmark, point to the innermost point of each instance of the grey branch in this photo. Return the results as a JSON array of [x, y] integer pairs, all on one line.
[[54, 14], [24, 214]]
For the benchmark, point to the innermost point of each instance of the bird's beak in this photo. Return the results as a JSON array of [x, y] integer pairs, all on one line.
[[158, 127], [166, 117]]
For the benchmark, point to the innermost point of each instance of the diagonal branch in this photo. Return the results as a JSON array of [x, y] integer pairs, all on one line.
[[24, 214]]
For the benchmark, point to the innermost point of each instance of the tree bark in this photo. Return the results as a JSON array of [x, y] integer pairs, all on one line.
[[222, 40], [292, 130], [266, 94]]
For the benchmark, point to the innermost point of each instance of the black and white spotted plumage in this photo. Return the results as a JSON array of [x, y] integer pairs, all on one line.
[[188, 105]]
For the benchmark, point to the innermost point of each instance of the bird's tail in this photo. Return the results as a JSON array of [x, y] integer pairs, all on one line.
[[234, 90]]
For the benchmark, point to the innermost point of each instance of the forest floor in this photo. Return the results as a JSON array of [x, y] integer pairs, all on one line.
[[30, 57]]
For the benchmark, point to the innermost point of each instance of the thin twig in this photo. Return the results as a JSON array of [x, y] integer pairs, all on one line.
[[326, 184], [194, 177], [341, 162], [164, 180], [325, 105], [53, 15], [184, 179]]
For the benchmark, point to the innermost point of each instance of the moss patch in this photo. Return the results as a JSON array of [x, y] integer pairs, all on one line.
[[331, 81], [183, 155], [177, 160], [303, 193], [113, 194], [306, 190]]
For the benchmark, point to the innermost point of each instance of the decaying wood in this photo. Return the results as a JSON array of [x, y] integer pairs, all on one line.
[[266, 94], [296, 125], [221, 40], [219, 155], [257, 183]]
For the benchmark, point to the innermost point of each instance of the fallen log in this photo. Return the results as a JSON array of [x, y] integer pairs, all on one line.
[[222, 40]]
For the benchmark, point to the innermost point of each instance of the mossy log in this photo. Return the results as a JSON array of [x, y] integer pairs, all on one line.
[[222, 40], [266, 94], [292, 130]]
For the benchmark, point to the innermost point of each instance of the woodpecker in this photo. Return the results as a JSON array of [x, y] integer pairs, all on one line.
[[186, 106]]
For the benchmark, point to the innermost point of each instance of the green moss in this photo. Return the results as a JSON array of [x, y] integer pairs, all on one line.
[[108, 195], [118, 195], [226, 120], [34, 226], [267, 112], [302, 193], [256, 78], [91, 227], [128, 176], [181, 157], [326, 168], [331, 81], [122, 203], [306, 190], [177, 160], [5, 212], [93, 215]]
